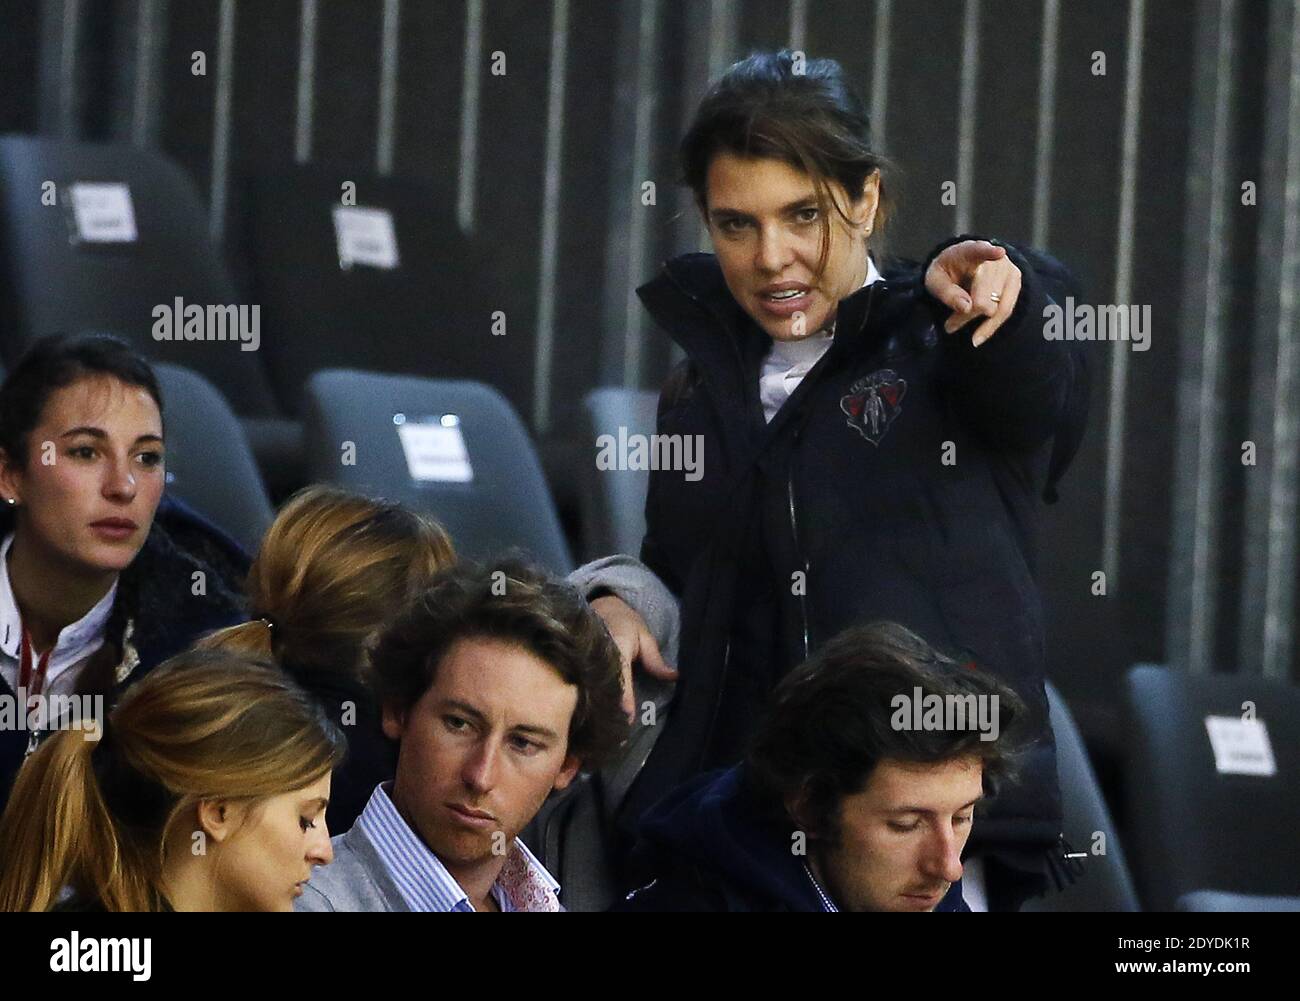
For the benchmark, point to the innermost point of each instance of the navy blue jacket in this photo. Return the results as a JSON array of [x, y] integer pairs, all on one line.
[[712, 848], [899, 482], [156, 605]]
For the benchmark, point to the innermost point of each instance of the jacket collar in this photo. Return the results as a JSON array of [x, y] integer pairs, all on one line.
[[690, 300]]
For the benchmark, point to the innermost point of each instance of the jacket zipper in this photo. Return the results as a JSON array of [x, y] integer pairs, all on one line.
[[794, 530]]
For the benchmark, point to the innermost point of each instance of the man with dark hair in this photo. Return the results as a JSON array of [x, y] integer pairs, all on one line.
[[498, 684], [858, 793]]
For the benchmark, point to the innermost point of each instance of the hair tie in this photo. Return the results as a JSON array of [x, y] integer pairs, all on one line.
[[270, 622], [133, 799]]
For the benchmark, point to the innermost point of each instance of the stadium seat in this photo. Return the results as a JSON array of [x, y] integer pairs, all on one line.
[[454, 449], [102, 267], [1213, 900], [613, 516], [1204, 817], [210, 465], [1105, 884], [384, 282]]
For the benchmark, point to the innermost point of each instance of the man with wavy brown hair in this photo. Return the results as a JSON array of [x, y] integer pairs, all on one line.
[[499, 683]]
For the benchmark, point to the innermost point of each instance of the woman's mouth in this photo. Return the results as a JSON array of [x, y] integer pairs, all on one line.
[[785, 300], [114, 529]]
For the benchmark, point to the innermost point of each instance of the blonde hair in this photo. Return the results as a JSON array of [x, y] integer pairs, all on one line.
[[97, 816], [333, 567]]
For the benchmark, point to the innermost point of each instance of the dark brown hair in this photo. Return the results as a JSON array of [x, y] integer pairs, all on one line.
[[829, 723], [802, 112], [512, 602]]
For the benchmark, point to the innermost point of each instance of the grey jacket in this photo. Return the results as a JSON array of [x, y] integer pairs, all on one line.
[[355, 881]]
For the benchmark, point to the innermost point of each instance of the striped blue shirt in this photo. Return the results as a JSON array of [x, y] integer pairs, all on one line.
[[426, 885]]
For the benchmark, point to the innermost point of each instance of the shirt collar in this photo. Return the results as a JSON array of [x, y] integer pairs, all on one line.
[[424, 882], [74, 642]]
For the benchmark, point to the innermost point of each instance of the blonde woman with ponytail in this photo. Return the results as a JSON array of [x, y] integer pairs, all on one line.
[[333, 569], [205, 792]]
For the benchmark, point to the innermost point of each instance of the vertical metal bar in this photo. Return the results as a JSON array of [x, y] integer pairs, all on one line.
[[1119, 358], [388, 61], [880, 73], [469, 110], [970, 63], [638, 237], [305, 107], [553, 165], [221, 121], [151, 19], [1194, 561], [1279, 596], [798, 24], [722, 36], [68, 70], [1043, 146]]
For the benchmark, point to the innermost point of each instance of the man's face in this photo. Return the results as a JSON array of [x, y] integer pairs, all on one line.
[[481, 749], [901, 837], [767, 233]]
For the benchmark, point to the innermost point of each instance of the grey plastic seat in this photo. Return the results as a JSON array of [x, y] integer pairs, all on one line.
[[1235, 903], [467, 459], [1105, 884], [613, 514], [210, 464], [1202, 820]]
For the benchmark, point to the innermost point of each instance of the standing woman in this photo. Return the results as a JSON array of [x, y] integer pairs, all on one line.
[[333, 568], [212, 752], [101, 577], [875, 443]]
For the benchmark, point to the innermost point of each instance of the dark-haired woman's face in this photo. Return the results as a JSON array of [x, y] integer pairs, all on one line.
[[767, 232], [93, 477]]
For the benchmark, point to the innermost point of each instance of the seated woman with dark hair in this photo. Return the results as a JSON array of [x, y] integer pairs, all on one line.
[[101, 576], [205, 792], [334, 568]]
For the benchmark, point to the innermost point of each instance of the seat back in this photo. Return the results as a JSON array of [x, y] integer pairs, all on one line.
[[210, 464], [1105, 884], [613, 517], [1200, 819], [71, 262], [455, 450]]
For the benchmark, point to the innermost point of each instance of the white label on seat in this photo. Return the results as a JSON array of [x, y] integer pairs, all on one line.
[[102, 212], [435, 453], [1241, 746], [365, 236]]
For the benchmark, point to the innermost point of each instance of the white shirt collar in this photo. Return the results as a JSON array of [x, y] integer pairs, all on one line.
[[75, 642]]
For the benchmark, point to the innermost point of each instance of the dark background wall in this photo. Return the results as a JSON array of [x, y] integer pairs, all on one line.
[[1207, 102]]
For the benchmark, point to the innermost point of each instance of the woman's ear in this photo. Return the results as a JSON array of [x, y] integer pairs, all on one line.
[[10, 480], [867, 206], [218, 819]]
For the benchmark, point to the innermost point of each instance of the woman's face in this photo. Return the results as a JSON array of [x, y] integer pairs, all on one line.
[[93, 477], [767, 233], [268, 857]]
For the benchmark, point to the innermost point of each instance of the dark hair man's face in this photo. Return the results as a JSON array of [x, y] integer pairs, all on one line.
[[482, 749], [901, 838]]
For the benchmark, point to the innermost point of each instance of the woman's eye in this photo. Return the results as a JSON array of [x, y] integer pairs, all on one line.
[[151, 458], [807, 215], [731, 225], [307, 825], [961, 820], [82, 452], [524, 746], [905, 827], [455, 723]]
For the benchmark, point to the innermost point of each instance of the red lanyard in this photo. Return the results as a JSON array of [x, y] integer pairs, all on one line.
[[32, 681]]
